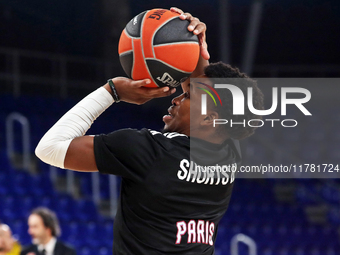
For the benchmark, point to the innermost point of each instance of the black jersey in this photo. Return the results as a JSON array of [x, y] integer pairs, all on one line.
[[173, 192]]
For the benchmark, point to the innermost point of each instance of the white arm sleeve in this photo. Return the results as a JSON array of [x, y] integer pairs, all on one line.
[[53, 146]]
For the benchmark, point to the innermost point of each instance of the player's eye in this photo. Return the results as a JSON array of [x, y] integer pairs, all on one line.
[[187, 94]]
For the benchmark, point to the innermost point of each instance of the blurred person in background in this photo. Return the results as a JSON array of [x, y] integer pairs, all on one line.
[[8, 245], [43, 227]]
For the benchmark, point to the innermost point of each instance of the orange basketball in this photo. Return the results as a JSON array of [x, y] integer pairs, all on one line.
[[156, 44]]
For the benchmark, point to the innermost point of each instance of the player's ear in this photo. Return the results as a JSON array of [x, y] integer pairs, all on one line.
[[208, 119]]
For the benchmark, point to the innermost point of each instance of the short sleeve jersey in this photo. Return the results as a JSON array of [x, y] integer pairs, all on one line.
[[174, 190]]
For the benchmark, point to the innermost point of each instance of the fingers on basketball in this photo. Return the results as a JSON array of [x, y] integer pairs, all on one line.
[[177, 10]]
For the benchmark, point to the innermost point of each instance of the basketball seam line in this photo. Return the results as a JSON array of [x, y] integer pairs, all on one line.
[[141, 41], [133, 59], [130, 36], [155, 32], [126, 52], [187, 42], [168, 65]]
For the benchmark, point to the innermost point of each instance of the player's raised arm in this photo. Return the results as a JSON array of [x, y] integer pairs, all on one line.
[[65, 145]]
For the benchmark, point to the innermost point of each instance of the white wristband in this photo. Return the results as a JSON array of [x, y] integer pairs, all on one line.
[[53, 146]]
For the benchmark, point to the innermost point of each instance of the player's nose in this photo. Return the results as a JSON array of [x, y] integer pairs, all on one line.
[[176, 100]]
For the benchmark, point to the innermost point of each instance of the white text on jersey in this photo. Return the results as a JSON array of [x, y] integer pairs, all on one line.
[[199, 231], [190, 171]]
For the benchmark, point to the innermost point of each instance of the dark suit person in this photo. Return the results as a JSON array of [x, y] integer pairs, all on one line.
[[44, 229]]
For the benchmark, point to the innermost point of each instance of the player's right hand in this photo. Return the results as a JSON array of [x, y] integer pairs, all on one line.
[[134, 92], [197, 27]]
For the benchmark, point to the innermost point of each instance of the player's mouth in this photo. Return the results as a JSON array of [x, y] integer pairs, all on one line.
[[169, 116]]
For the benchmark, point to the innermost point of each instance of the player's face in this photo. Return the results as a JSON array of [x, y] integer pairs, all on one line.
[[37, 229], [185, 113]]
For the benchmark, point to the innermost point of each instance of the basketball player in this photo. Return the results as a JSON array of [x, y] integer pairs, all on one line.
[[171, 200]]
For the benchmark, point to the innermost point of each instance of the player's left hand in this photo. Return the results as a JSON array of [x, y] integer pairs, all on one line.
[[197, 27], [134, 92]]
